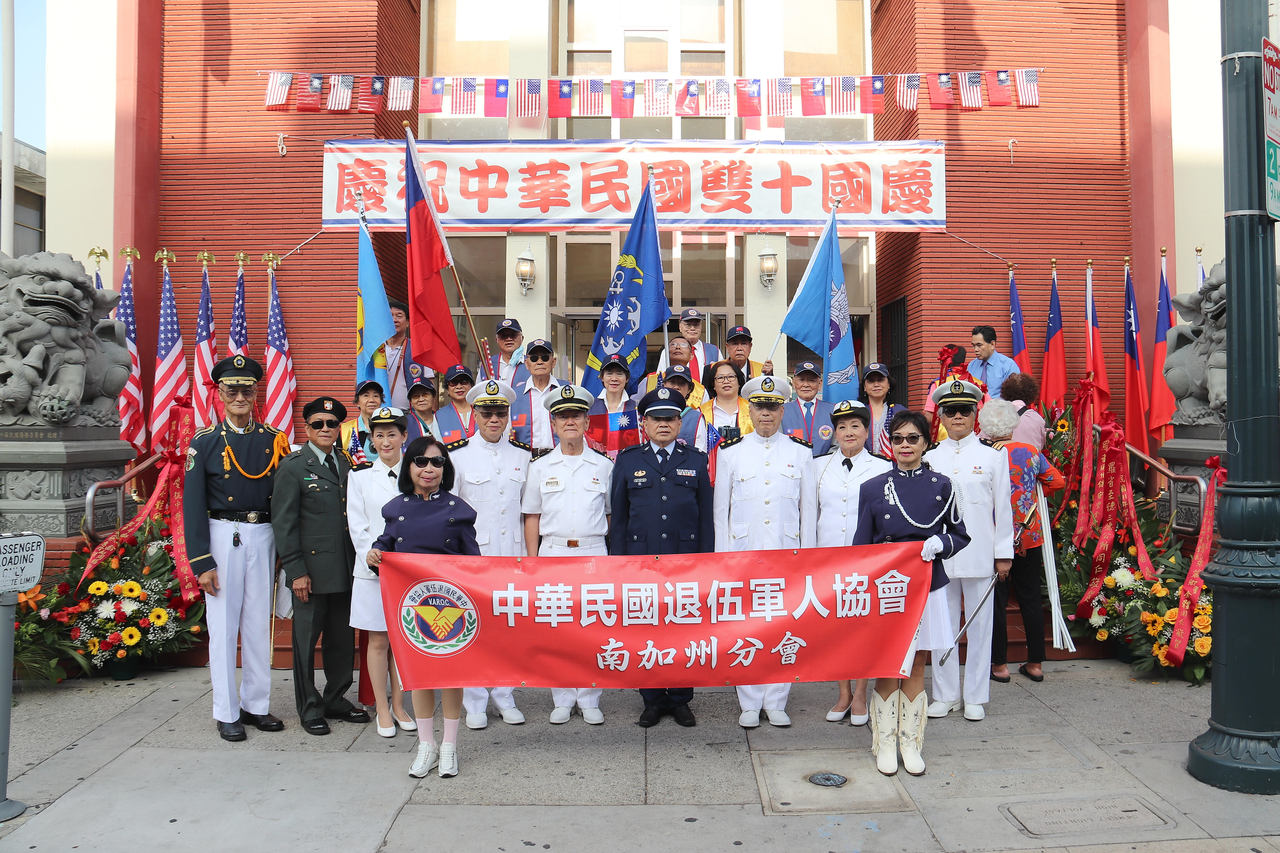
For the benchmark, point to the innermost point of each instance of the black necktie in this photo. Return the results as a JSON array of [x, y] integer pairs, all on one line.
[[662, 456], [333, 466], [848, 464]]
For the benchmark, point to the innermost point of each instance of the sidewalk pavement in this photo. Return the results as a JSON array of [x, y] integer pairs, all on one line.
[[1091, 759]]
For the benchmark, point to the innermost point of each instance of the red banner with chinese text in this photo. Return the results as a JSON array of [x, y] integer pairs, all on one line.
[[818, 614]]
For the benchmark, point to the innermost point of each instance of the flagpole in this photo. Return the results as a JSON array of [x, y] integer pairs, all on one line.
[[466, 312], [835, 208], [666, 334]]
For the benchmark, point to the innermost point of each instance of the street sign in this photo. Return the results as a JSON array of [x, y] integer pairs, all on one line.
[[1271, 120], [21, 561]]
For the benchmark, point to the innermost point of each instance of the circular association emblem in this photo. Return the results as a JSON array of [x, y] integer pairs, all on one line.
[[825, 431], [566, 392], [957, 387], [438, 618], [491, 388], [506, 324], [328, 405], [766, 385], [415, 370], [663, 393], [238, 361]]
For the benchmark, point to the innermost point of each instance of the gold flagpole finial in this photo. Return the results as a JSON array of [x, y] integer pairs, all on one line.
[[1126, 260], [272, 260], [1164, 250], [130, 254], [1199, 250], [1089, 263], [1053, 264], [1010, 265], [165, 256], [206, 257], [242, 258], [99, 254]]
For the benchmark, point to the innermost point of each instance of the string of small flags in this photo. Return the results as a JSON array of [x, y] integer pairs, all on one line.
[[590, 97]]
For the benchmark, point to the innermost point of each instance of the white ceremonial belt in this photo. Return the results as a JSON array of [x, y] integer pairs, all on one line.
[[580, 542]]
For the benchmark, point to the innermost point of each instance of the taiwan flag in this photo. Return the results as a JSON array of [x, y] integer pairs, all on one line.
[[610, 432], [748, 95], [431, 95], [1053, 381], [623, 96], [1095, 361], [495, 97], [871, 94], [813, 96], [687, 103], [560, 99], [942, 94], [309, 96], [999, 89], [1019, 338], [431, 331], [1162, 403], [1135, 378]]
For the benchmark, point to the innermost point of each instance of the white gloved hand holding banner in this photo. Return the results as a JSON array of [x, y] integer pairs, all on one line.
[[931, 548]]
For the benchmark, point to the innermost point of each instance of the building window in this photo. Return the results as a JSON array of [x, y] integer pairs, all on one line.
[[893, 323], [28, 222]]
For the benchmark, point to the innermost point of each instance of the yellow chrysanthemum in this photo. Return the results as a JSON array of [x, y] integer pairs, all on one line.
[[130, 589], [98, 588], [158, 616], [92, 645], [1101, 635], [1202, 623], [130, 636], [1109, 582], [1154, 627], [1203, 645]]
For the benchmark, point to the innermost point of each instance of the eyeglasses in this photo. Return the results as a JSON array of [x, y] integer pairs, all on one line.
[[914, 438], [727, 378], [952, 411], [247, 393], [326, 423], [540, 356], [424, 461], [491, 414]]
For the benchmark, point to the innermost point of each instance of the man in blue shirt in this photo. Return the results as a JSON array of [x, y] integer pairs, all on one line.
[[990, 367]]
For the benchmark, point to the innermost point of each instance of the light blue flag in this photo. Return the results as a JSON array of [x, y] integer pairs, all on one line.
[[819, 317], [636, 302], [373, 317]]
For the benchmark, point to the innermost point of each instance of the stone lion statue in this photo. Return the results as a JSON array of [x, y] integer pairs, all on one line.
[[63, 361]]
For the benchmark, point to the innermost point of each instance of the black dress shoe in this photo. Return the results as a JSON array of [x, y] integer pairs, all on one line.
[[231, 731], [315, 727], [352, 715], [683, 716], [262, 722], [649, 717]]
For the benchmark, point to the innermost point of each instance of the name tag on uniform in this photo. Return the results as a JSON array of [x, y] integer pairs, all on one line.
[[686, 472], [977, 470], [309, 477], [551, 483]]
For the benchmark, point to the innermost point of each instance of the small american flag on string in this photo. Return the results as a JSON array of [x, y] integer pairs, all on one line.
[[908, 91], [206, 351], [171, 379], [657, 98], [340, 86], [1028, 82], [844, 95], [400, 93], [238, 334], [133, 425], [528, 98], [464, 96], [719, 94], [778, 97], [278, 83], [591, 97], [971, 90], [282, 385]]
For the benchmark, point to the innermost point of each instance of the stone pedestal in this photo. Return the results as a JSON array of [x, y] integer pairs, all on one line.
[[1185, 453], [45, 472]]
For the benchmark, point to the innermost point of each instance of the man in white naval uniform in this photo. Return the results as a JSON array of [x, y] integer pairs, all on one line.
[[764, 499], [566, 513], [490, 475], [980, 477]]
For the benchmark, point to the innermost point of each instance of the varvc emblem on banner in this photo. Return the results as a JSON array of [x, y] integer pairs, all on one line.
[[438, 618]]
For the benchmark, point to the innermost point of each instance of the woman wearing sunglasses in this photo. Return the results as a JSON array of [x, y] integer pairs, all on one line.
[[910, 503], [427, 518]]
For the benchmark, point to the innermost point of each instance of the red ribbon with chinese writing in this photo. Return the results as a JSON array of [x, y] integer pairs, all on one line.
[[161, 504], [1189, 596], [1101, 510]]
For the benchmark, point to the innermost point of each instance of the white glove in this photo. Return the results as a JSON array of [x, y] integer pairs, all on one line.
[[931, 548]]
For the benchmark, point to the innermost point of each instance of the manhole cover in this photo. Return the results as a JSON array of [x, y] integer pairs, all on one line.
[[828, 780]]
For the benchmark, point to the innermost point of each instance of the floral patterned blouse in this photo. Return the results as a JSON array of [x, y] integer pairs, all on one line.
[[1026, 466]]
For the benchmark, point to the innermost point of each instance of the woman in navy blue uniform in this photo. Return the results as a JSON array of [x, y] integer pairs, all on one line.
[[910, 503], [427, 518]]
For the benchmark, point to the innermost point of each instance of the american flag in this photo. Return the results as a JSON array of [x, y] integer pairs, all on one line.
[[97, 279], [171, 379], [355, 450], [464, 96], [719, 91], [278, 83], [591, 98], [908, 91], [238, 335], [844, 95], [206, 352], [340, 86], [528, 98], [1028, 82], [713, 443], [778, 97], [282, 385], [971, 89], [400, 93], [657, 98], [133, 425]]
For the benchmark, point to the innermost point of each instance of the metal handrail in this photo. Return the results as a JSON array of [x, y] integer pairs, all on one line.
[[1201, 484], [88, 527]]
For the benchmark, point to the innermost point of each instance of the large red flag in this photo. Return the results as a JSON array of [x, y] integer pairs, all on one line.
[[1162, 402], [1053, 382], [1135, 380], [431, 332], [1095, 362]]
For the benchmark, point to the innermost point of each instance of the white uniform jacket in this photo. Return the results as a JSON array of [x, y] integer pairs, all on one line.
[[980, 478], [764, 494], [570, 494], [490, 476], [837, 488], [368, 491]]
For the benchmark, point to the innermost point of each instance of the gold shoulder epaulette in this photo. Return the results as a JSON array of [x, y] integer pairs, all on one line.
[[729, 442], [798, 440], [521, 445], [454, 445]]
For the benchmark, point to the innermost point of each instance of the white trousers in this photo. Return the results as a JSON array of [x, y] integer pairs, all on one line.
[[766, 697], [977, 668], [567, 697], [240, 611], [476, 699]]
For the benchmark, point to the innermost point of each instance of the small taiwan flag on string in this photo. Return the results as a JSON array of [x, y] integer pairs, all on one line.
[[1028, 82], [309, 95], [400, 93], [372, 91], [908, 91], [971, 90], [340, 86], [813, 96], [431, 95], [657, 97], [559, 98], [942, 94], [495, 97], [748, 94], [622, 95], [687, 103], [278, 83], [999, 93]]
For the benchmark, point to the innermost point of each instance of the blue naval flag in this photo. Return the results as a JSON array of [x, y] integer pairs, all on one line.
[[636, 302], [819, 317], [373, 316]]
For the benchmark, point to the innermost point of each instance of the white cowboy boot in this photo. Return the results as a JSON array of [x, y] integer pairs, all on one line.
[[884, 731], [911, 720]]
